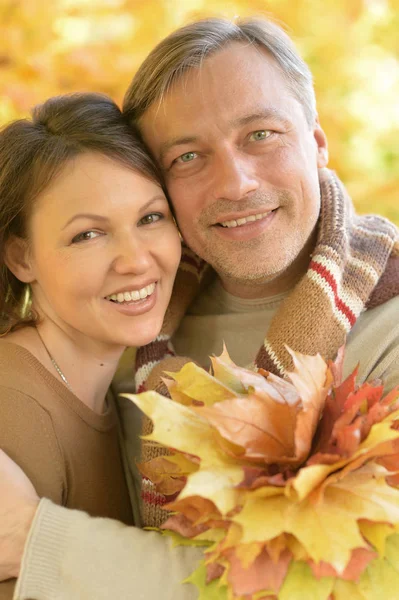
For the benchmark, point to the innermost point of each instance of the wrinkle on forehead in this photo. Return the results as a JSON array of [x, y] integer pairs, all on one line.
[[233, 83], [193, 76]]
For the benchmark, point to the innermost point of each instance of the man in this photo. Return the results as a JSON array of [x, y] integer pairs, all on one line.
[[229, 112]]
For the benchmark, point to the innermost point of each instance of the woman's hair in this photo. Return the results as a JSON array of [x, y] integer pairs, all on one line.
[[187, 48], [34, 151]]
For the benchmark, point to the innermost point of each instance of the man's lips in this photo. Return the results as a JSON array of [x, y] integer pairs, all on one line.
[[239, 219], [247, 230]]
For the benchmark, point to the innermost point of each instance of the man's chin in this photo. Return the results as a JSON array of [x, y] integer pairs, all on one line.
[[256, 279]]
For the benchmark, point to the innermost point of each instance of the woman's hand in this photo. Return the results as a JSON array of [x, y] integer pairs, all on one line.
[[18, 504]]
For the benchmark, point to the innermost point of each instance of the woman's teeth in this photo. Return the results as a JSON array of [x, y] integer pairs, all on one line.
[[243, 220], [132, 296]]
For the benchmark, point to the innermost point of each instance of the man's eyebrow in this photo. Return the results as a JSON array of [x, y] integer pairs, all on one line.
[[273, 114], [177, 141], [268, 113]]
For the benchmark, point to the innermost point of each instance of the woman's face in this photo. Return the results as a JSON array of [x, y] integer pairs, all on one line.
[[104, 253]]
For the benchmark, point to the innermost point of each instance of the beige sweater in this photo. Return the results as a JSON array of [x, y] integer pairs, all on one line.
[[127, 563]]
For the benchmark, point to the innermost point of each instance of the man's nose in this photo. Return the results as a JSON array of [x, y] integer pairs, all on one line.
[[234, 176], [132, 255]]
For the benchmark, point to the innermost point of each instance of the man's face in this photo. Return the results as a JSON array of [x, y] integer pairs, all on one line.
[[241, 165]]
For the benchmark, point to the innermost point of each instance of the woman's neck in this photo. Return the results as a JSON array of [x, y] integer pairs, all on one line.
[[87, 368]]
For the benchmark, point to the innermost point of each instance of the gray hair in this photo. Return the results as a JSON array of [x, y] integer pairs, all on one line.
[[188, 46]]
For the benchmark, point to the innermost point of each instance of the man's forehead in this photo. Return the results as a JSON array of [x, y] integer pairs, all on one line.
[[240, 79], [233, 86]]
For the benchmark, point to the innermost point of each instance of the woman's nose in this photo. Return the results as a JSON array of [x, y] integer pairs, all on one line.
[[132, 256]]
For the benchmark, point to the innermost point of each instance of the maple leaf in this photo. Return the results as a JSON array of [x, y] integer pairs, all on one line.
[[300, 583], [165, 474], [359, 560], [262, 574], [274, 421], [292, 484], [257, 423], [207, 591], [194, 383]]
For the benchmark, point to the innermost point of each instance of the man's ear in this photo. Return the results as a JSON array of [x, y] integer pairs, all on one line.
[[322, 145], [17, 259]]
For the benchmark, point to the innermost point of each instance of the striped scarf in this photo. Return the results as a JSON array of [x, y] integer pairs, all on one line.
[[354, 266]]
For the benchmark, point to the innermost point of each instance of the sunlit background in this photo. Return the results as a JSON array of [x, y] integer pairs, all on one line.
[[49, 47]]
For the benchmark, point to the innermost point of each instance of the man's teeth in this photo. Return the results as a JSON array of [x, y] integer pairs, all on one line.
[[134, 295], [243, 220]]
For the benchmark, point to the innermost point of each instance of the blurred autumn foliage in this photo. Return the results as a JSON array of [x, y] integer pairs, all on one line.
[[49, 47]]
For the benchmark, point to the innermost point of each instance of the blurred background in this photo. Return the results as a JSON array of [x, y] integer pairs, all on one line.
[[49, 47]]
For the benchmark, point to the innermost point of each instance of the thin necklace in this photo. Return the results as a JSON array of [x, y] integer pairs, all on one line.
[[55, 365]]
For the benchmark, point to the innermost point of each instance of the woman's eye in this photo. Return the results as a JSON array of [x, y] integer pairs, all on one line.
[[84, 236], [151, 218], [187, 157], [262, 134]]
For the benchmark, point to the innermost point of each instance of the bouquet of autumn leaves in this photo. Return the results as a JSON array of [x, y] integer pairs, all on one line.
[[293, 485]]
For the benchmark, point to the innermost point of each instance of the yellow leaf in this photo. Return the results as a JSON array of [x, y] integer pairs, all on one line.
[[184, 464], [376, 534], [300, 584], [262, 519], [177, 426], [219, 474], [243, 380], [347, 590], [307, 479], [326, 526], [380, 581], [247, 553], [211, 591], [216, 484], [199, 385], [364, 494]]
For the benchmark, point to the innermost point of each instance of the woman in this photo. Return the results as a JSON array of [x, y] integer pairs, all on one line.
[[89, 254]]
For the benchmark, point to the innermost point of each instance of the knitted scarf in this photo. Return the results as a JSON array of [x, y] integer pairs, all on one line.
[[354, 266]]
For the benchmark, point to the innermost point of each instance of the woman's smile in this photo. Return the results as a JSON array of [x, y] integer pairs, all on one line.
[[127, 303]]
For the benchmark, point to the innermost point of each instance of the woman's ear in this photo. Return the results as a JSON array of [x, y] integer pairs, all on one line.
[[17, 259]]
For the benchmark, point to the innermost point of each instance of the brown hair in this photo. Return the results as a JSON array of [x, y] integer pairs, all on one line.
[[187, 47], [32, 153]]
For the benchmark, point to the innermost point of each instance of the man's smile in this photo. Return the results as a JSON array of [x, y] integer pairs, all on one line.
[[245, 228], [243, 220]]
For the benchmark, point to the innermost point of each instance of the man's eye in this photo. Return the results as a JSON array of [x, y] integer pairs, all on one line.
[[187, 157], [262, 134], [151, 218], [85, 235]]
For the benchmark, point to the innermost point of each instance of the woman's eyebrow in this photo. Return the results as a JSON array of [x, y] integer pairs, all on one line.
[[85, 216], [102, 218]]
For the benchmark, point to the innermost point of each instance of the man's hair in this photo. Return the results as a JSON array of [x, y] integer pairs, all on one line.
[[188, 46], [32, 154]]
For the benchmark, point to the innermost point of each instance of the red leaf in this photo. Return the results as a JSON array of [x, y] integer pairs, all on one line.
[[262, 574], [359, 560]]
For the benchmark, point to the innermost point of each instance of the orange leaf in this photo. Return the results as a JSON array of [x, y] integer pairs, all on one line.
[[359, 560], [263, 574]]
